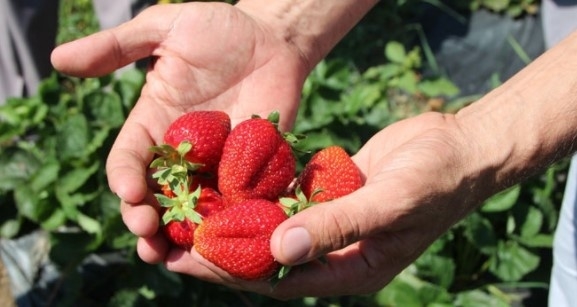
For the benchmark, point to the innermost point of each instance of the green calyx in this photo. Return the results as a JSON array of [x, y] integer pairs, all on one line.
[[181, 206], [171, 163], [293, 206], [293, 139], [174, 171]]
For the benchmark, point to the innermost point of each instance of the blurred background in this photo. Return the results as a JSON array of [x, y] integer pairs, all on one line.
[[62, 240]]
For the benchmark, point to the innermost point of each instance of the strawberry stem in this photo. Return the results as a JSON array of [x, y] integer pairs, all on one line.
[[293, 206], [175, 171]]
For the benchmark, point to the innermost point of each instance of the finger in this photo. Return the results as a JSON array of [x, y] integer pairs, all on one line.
[[332, 226], [108, 50], [191, 263], [128, 161], [152, 249], [142, 220]]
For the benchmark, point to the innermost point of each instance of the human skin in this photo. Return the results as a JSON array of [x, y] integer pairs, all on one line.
[[422, 174]]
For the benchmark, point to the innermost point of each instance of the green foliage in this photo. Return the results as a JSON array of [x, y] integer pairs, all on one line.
[[76, 19], [343, 105], [513, 8], [54, 146]]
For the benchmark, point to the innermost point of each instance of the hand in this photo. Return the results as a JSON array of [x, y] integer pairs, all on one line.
[[419, 181], [205, 56]]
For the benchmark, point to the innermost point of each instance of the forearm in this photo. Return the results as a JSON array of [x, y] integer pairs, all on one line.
[[528, 122], [312, 27]]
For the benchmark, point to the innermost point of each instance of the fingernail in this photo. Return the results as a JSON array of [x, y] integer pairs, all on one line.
[[295, 244]]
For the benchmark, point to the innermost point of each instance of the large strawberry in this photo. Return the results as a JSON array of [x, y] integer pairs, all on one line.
[[257, 161], [237, 239], [184, 211], [328, 175], [192, 150], [205, 131]]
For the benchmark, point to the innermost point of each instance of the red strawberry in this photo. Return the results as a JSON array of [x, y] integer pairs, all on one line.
[[184, 212], [328, 175], [256, 162], [206, 131], [180, 233], [237, 239]]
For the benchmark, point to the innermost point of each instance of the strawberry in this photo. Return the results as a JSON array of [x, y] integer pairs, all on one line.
[[180, 233], [237, 239], [257, 161], [183, 212], [192, 150], [206, 132], [328, 175]]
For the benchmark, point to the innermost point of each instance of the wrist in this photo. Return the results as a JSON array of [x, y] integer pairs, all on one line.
[[310, 27], [530, 121]]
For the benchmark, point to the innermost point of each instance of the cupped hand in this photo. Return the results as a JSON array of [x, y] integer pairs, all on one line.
[[421, 178], [204, 56]]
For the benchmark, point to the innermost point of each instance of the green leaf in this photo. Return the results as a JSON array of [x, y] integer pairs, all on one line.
[[128, 86], [389, 71], [29, 204], [89, 224], [502, 201], [54, 221], [73, 137], [75, 178], [437, 269], [407, 82], [532, 223], [511, 261], [105, 107], [438, 87], [10, 228], [395, 52], [17, 166], [409, 290], [537, 241], [474, 298], [479, 232], [46, 175], [361, 97]]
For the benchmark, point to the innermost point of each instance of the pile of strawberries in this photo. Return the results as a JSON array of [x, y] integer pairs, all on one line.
[[225, 190]]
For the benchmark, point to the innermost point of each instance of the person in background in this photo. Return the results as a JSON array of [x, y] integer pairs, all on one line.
[[422, 174], [558, 23], [28, 31]]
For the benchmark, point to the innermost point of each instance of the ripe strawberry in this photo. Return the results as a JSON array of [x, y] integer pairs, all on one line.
[[180, 233], [328, 175], [194, 141], [206, 131], [237, 239], [192, 150], [184, 212], [256, 162]]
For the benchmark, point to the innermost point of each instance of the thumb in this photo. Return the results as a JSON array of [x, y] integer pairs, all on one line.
[[324, 228], [104, 52]]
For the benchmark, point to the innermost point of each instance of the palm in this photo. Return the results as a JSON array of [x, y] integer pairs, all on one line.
[[205, 56], [217, 57]]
